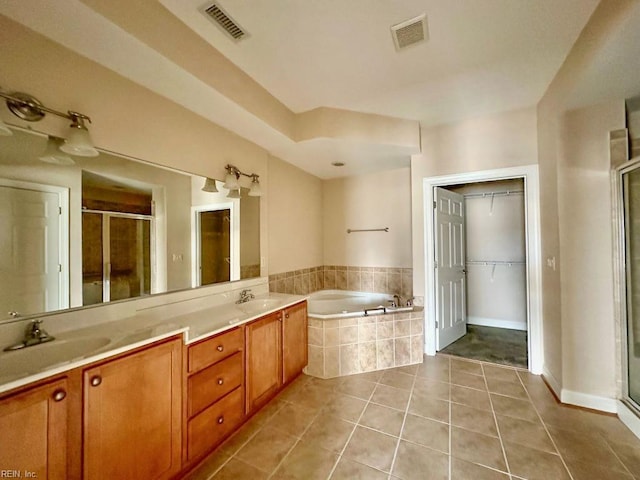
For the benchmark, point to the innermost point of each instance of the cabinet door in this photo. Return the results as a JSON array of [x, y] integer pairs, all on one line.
[[264, 359], [132, 415], [294, 339], [37, 422]]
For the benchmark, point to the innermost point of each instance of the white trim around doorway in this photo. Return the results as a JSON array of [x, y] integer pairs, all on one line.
[[529, 174]]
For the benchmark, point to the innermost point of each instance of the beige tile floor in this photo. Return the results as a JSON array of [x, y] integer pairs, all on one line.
[[447, 418]]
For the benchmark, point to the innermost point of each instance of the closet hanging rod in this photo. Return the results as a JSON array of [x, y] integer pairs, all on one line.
[[493, 194], [385, 229], [493, 263]]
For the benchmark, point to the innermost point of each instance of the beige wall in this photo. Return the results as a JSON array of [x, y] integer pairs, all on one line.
[[127, 118], [584, 194], [552, 143], [497, 141], [375, 200], [294, 204]]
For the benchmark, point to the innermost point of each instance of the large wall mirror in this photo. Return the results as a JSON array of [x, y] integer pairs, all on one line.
[[83, 231]]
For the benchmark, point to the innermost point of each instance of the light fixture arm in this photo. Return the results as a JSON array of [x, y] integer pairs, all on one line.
[[31, 109], [235, 171]]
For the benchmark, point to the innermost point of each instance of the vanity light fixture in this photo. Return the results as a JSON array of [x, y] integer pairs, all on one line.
[[210, 186], [255, 190], [232, 182], [234, 193], [53, 154], [30, 109]]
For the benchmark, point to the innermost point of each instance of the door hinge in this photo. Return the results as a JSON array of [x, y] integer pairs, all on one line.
[[60, 267], [435, 205], [437, 324], [59, 210], [435, 264]]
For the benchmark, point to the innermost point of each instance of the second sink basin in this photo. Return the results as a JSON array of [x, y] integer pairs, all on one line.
[[258, 305], [33, 359]]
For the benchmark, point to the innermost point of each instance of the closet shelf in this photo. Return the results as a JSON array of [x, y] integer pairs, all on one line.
[[492, 263], [505, 193]]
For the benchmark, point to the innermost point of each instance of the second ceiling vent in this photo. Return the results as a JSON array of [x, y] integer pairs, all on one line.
[[410, 32], [217, 15]]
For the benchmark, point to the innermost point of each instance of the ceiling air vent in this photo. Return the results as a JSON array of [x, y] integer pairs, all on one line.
[[225, 22], [410, 32]]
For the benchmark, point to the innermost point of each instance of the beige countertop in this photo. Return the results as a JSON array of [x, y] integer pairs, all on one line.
[[83, 346]]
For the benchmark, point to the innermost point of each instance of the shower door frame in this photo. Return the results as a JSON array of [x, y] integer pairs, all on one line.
[[630, 413]]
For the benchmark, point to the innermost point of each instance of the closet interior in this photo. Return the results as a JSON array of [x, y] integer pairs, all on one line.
[[495, 264]]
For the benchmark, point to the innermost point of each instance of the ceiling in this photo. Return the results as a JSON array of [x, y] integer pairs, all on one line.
[[482, 56]]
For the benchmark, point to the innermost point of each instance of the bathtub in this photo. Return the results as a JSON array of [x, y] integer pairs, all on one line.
[[343, 340], [335, 304]]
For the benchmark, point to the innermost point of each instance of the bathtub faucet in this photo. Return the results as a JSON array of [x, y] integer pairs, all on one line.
[[396, 302]]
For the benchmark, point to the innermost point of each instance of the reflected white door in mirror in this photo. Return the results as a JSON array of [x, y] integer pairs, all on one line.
[[34, 239]]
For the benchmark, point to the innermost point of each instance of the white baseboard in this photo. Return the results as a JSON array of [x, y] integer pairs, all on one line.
[[496, 322], [586, 400], [629, 418], [551, 381]]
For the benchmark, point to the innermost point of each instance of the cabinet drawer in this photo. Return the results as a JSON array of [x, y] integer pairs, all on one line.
[[215, 349], [214, 382], [210, 427]]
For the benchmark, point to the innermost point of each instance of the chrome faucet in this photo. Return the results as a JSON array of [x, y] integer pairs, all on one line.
[[33, 335], [245, 296], [395, 302]]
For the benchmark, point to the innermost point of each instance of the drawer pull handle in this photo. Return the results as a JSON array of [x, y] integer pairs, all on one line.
[[220, 381], [220, 348], [96, 380], [59, 395], [220, 420]]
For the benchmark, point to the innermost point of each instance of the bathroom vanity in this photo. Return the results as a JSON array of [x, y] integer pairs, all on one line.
[[155, 407]]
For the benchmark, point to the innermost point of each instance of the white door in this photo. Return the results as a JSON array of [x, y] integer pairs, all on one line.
[[450, 272], [30, 261]]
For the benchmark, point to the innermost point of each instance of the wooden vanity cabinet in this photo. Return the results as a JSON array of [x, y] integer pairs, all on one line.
[[215, 391], [294, 341], [132, 414], [264, 359], [276, 353], [34, 433]]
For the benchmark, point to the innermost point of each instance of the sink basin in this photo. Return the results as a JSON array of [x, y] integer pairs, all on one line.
[[33, 359], [258, 305]]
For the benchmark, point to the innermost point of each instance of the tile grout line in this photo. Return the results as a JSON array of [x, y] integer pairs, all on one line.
[[404, 419], [233, 455], [355, 427], [617, 456], [544, 425], [495, 419], [298, 440]]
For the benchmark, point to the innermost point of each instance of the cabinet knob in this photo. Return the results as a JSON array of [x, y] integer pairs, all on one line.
[[96, 380], [59, 395], [220, 420], [220, 381], [220, 348], [286, 315]]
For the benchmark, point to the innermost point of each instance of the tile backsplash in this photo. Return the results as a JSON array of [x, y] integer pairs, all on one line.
[[387, 280]]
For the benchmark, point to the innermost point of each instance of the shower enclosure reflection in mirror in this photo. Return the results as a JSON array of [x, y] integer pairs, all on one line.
[[78, 231]]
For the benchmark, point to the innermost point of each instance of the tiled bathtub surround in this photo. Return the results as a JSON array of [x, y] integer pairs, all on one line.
[[363, 344], [339, 277]]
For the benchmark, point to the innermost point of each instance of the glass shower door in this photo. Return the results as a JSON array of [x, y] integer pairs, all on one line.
[[631, 198]]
